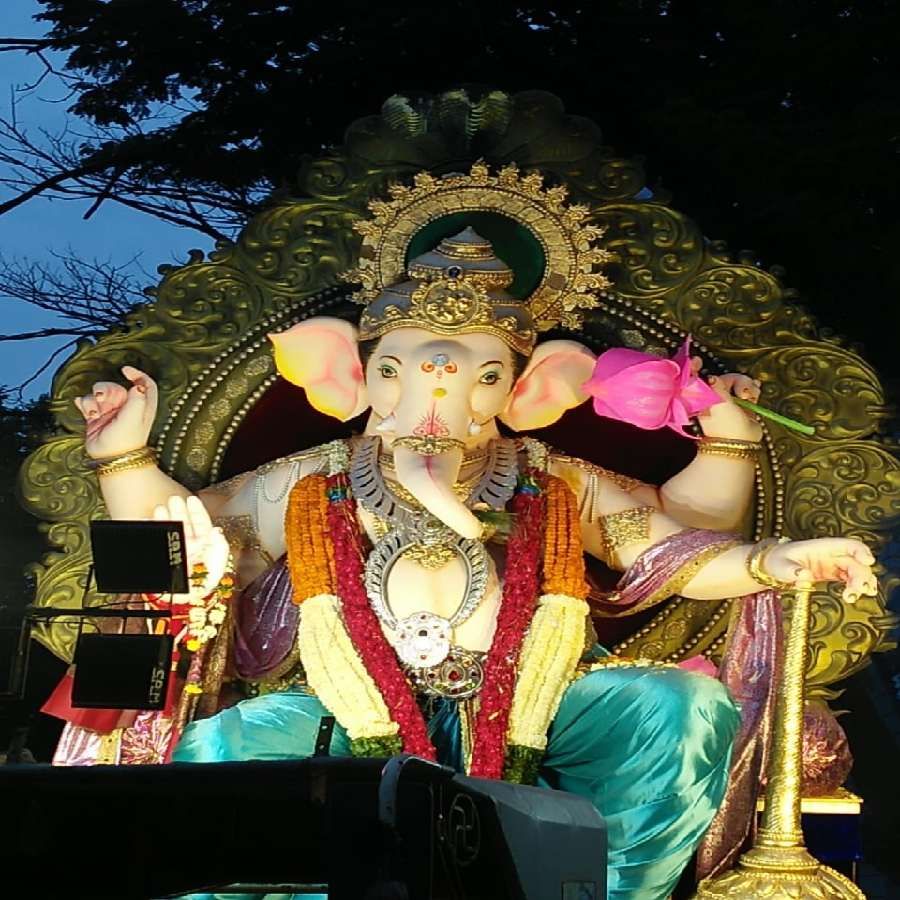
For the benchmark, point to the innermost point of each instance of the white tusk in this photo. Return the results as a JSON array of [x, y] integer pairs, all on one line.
[[387, 423], [474, 428]]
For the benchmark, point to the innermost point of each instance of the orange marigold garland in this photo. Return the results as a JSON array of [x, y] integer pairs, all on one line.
[[564, 570], [310, 553]]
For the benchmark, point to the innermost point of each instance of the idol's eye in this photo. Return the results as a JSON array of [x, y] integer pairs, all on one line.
[[387, 371], [491, 377]]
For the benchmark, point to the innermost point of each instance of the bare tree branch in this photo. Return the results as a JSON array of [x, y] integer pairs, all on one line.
[[88, 295], [28, 45], [80, 167], [20, 388], [46, 332]]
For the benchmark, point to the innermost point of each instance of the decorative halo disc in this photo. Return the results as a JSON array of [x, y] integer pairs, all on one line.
[[569, 281]]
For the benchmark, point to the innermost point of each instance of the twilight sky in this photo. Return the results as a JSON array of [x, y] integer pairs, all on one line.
[[39, 226]]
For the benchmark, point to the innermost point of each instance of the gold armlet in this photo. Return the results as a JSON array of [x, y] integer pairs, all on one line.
[[756, 562], [629, 526], [133, 459], [730, 447]]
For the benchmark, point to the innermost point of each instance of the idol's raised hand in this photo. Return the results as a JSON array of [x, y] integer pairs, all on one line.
[[118, 419], [822, 560], [205, 545], [727, 419]]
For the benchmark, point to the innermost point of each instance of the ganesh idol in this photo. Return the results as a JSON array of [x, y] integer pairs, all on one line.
[[426, 578]]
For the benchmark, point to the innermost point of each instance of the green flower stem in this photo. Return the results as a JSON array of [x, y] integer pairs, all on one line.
[[793, 424]]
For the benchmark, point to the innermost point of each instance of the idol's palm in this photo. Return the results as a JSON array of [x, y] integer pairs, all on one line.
[[118, 419]]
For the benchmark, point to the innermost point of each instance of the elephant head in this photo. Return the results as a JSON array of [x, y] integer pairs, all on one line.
[[424, 386]]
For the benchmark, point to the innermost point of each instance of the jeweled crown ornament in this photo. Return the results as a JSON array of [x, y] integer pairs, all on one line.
[[462, 286], [457, 288]]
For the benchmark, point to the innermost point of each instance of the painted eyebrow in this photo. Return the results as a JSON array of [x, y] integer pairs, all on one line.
[[394, 358], [492, 362]]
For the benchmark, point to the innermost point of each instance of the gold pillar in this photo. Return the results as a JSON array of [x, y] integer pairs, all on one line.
[[779, 865]]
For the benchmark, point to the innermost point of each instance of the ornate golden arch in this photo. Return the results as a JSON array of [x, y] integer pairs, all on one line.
[[203, 338]]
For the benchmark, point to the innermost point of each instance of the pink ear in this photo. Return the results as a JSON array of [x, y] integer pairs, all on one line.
[[551, 384], [321, 355]]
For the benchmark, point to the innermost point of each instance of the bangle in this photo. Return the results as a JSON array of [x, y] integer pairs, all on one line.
[[730, 447], [756, 560], [133, 459]]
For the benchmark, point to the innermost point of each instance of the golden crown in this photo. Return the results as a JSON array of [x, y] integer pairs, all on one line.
[[457, 288], [461, 286]]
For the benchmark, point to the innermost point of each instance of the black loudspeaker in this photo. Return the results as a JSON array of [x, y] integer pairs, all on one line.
[[122, 671], [553, 844], [139, 557]]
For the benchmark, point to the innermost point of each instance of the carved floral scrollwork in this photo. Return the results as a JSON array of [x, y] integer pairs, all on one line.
[[658, 248], [739, 307], [54, 485], [297, 247], [823, 385]]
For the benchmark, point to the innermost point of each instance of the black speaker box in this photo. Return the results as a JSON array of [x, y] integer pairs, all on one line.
[[139, 557], [122, 671]]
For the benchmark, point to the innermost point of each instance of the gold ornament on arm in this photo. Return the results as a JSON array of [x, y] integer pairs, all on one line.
[[730, 447]]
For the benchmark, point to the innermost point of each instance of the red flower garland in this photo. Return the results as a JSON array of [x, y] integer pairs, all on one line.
[[363, 626], [520, 589]]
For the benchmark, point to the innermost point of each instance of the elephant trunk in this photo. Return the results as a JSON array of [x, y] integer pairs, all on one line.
[[430, 480]]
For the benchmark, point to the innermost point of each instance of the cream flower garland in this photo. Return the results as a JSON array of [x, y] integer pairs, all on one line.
[[550, 653], [336, 673]]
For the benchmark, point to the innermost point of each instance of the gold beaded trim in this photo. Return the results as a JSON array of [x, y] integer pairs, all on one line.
[[386, 460], [487, 280], [428, 445], [622, 662]]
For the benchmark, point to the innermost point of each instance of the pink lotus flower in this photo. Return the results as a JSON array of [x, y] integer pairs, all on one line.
[[647, 391]]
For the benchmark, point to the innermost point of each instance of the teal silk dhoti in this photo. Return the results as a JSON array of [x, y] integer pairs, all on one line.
[[650, 746]]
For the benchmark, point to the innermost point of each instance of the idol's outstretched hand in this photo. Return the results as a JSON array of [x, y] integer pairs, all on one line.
[[822, 560], [118, 419]]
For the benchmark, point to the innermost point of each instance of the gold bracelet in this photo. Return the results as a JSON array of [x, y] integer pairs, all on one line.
[[133, 459], [756, 560], [730, 447]]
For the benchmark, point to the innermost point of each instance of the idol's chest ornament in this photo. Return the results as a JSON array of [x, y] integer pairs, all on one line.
[[422, 640]]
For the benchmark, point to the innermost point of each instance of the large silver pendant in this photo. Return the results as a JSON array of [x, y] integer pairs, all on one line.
[[422, 640], [378, 570]]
